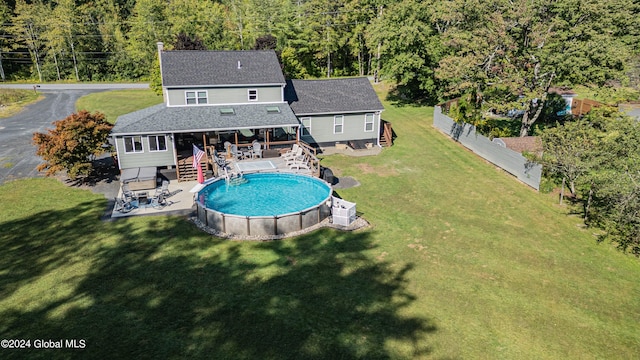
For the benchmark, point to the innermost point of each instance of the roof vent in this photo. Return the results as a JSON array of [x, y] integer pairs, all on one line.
[[239, 65]]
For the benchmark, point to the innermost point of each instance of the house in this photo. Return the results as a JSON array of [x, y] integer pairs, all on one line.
[[217, 97]]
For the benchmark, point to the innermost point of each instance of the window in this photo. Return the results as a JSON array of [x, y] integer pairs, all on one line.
[[227, 111], [338, 122], [157, 143], [305, 129], [133, 144], [253, 94], [273, 110], [368, 122], [196, 97]]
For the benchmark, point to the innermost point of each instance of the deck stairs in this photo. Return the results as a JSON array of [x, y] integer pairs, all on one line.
[[185, 169], [386, 139]]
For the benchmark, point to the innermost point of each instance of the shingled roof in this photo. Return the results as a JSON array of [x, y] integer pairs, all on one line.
[[309, 97], [530, 144], [163, 119], [211, 68]]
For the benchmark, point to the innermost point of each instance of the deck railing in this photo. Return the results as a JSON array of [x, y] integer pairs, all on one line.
[[311, 152]]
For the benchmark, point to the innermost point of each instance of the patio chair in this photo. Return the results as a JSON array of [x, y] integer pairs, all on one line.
[[301, 164], [127, 194], [220, 160], [256, 150], [297, 155], [164, 190], [123, 206], [158, 201], [237, 155], [298, 158], [293, 150], [232, 149]]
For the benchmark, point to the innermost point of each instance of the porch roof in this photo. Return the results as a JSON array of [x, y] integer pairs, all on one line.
[[163, 119]]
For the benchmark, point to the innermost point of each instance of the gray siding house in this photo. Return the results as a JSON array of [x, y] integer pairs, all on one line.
[[217, 97], [336, 110]]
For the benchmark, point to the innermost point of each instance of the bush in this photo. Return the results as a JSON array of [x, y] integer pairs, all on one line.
[[73, 144]]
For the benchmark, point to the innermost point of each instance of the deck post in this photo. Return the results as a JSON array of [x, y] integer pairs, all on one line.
[[266, 137]]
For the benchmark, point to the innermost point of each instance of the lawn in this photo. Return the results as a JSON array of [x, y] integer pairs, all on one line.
[[461, 261], [116, 103]]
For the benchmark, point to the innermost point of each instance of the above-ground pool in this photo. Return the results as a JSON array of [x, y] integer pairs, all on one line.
[[264, 204]]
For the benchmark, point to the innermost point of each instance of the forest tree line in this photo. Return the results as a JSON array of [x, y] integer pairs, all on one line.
[[432, 50]]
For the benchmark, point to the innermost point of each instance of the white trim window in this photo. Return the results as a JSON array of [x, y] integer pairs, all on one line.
[[157, 143], [368, 122], [338, 124], [305, 129], [132, 144], [253, 94], [195, 97]]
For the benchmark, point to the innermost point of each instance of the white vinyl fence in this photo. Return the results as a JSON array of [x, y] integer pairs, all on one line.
[[508, 160]]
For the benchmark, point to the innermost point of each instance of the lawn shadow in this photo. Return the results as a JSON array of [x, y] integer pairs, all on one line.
[[37, 244], [406, 95], [170, 292]]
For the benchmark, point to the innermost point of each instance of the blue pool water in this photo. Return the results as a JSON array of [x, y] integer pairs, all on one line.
[[265, 194]]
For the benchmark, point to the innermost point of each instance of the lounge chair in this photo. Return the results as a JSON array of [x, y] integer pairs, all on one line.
[[303, 164], [293, 150], [298, 155]]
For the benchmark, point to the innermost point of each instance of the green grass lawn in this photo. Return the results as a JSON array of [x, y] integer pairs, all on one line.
[[116, 103], [461, 262]]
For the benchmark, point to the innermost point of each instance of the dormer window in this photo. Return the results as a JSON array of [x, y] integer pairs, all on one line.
[[196, 97], [253, 94]]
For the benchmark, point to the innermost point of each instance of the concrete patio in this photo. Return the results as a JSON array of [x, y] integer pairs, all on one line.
[[181, 200]]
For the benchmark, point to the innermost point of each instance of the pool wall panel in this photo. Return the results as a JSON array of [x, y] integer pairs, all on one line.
[[202, 214], [309, 218], [215, 220], [262, 226], [236, 225], [288, 223]]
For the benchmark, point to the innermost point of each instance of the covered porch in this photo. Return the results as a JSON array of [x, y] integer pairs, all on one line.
[[234, 145]]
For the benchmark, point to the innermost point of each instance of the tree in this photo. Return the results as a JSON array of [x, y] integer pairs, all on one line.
[[266, 42], [5, 15], [613, 195], [410, 48], [73, 144], [291, 65], [599, 156], [198, 19], [568, 151], [60, 34], [185, 42], [28, 27], [511, 52], [148, 26]]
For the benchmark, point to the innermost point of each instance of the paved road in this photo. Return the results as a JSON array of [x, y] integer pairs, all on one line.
[[17, 153]]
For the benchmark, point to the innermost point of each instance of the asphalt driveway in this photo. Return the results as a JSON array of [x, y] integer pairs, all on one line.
[[17, 153]]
